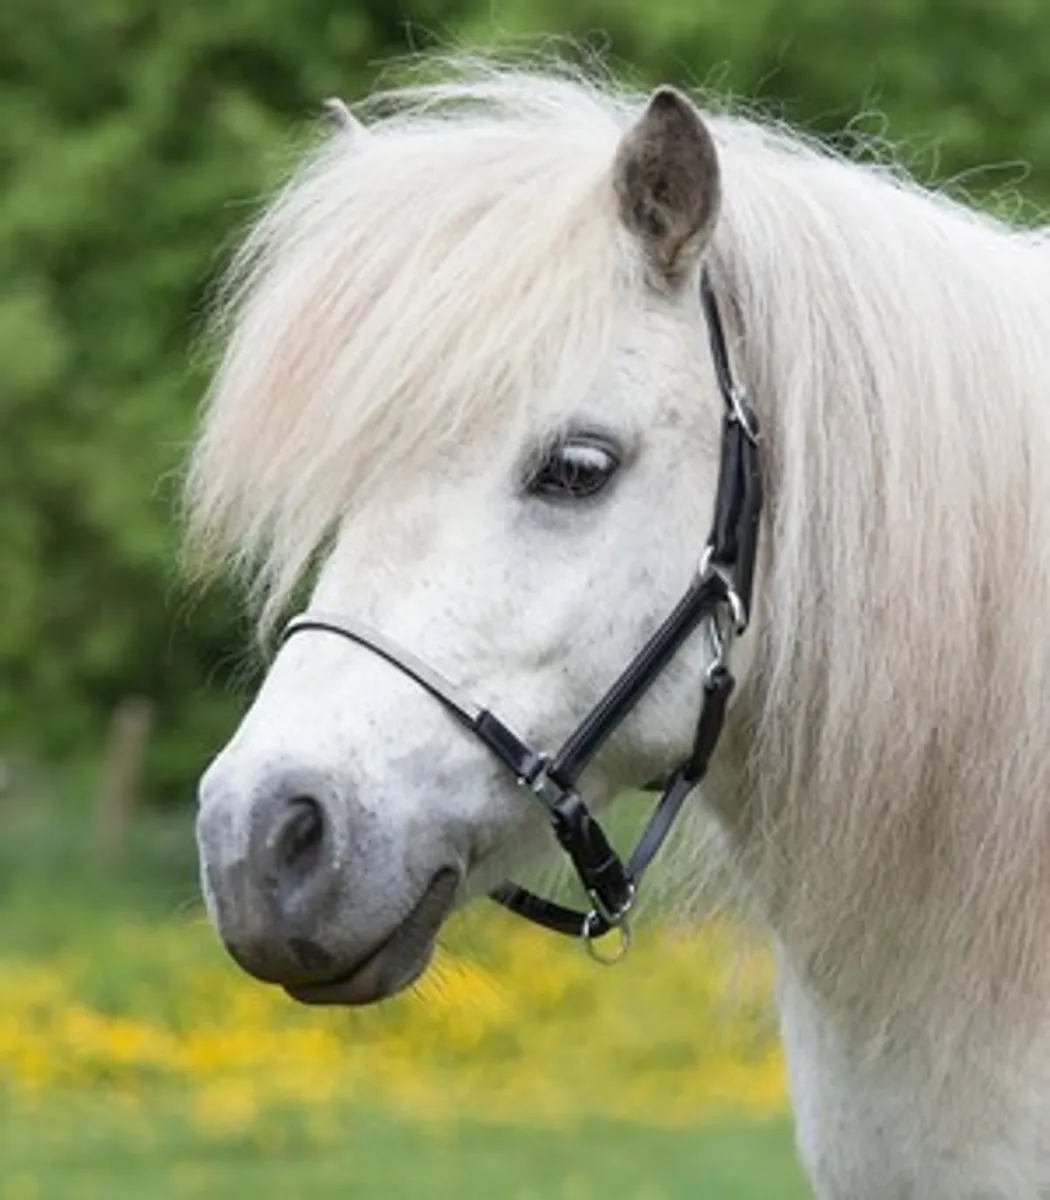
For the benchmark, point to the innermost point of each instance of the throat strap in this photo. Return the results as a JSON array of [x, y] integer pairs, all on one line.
[[594, 923]]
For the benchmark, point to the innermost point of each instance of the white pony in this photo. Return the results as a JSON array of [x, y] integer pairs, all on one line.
[[466, 374]]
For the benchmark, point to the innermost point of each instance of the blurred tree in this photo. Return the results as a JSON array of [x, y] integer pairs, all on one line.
[[136, 138], [954, 84]]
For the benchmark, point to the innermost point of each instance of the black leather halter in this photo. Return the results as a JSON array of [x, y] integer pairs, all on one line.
[[718, 598]]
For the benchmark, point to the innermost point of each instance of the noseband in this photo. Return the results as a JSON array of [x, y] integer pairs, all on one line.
[[719, 599]]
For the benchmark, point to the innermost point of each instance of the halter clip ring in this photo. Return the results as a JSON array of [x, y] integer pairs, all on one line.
[[737, 609], [623, 933]]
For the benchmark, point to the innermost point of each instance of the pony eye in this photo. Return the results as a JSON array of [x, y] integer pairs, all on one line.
[[575, 468]]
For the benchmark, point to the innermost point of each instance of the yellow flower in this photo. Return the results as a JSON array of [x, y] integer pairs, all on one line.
[[507, 1021]]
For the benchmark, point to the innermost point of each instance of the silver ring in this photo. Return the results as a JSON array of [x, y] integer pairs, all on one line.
[[736, 605], [719, 642], [705, 561], [736, 608], [742, 412], [622, 928]]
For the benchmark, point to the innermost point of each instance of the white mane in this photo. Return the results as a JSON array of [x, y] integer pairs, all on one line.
[[448, 262], [896, 346]]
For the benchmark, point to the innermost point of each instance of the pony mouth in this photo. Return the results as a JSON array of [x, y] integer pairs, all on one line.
[[396, 962]]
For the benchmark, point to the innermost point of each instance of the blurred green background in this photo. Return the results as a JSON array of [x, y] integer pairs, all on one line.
[[137, 138]]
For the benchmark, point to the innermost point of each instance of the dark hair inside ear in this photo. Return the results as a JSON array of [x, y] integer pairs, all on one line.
[[667, 181]]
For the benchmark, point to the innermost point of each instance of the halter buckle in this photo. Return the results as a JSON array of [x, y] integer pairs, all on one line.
[[737, 609], [613, 916], [545, 791]]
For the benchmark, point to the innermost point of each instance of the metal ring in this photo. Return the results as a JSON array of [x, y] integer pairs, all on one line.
[[622, 928], [705, 561], [719, 644], [742, 413], [737, 610], [540, 786]]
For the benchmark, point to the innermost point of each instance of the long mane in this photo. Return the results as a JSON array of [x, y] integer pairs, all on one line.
[[895, 792], [432, 272], [439, 271]]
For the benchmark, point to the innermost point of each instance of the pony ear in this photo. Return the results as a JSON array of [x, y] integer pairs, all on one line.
[[339, 115], [668, 185]]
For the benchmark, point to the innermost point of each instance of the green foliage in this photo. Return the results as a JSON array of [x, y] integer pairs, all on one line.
[[137, 138], [955, 85]]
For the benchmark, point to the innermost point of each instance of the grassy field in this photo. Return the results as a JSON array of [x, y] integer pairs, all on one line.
[[134, 1060], [95, 1154]]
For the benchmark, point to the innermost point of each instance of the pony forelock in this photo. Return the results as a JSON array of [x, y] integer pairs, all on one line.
[[444, 268]]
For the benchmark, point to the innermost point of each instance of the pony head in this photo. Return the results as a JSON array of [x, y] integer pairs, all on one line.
[[467, 376]]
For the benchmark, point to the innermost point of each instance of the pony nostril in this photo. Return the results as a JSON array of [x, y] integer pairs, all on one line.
[[298, 842], [282, 890]]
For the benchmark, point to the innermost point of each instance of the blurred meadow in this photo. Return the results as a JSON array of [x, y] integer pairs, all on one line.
[[136, 140], [134, 1057]]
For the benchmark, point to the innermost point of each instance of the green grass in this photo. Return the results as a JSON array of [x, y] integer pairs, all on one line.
[[100, 1155]]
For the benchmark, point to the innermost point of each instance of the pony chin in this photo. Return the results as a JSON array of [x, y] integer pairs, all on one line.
[[398, 961]]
